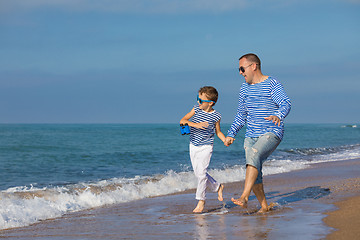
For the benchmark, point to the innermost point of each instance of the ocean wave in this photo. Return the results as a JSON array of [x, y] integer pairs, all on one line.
[[310, 151], [325, 151], [23, 206]]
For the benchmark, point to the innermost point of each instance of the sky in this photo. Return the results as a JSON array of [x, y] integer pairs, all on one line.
[[143, 61]]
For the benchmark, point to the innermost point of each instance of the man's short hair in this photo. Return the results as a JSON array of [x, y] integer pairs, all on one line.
[[251, 57]]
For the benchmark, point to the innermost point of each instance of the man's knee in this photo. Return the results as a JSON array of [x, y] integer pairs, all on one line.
[[250, 166]]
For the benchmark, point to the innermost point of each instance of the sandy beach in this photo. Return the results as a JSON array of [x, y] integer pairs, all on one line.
[[320, 202], [345, 220]]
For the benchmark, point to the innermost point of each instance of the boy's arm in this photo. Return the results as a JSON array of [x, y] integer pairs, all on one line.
[[185, 119], [218, 131]]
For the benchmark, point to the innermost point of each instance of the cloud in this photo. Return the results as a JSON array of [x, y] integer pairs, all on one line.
[[126, 6]]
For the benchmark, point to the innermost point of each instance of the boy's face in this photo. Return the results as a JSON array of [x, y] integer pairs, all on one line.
[[205, 105]]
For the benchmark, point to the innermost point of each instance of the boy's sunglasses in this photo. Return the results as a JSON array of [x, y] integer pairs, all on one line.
[[242, 69], [201, 101]]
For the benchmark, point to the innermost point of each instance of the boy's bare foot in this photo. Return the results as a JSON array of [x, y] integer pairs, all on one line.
[[200, 207], [220, 193], [241, 202]]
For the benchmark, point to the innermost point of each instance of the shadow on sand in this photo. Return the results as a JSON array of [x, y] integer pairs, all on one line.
[[306, 193], [315, 192]]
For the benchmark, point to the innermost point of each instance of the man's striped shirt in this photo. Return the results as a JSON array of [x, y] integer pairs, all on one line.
[[198, 136], [257, 101]]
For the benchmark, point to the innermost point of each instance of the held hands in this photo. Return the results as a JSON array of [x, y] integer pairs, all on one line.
[[274, 119], [228, 141]]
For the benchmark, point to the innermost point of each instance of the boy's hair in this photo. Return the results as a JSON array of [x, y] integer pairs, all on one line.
[[251, 57], [211, 93]]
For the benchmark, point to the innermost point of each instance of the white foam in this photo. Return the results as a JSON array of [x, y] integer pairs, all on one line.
[[22, 206]]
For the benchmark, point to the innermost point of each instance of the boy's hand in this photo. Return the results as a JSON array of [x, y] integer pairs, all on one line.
[[228, 141], [202, 125]]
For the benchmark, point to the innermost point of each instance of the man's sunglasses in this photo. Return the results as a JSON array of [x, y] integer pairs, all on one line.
[[242, 69], [201, 101]]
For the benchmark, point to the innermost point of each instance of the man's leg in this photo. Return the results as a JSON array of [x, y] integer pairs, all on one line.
[[251, 175], [259, 192], [265, 145], [256, 151]]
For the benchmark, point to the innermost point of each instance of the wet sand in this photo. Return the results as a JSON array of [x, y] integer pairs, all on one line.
[[302, 200], [345, 220]]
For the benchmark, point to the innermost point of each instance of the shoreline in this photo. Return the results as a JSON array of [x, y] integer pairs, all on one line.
[[304, 198]]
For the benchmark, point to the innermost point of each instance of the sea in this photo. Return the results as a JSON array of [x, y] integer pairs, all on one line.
[[49, 170]]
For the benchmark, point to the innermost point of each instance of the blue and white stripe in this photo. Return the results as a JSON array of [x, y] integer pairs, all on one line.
[[257, 101], [198, 136]]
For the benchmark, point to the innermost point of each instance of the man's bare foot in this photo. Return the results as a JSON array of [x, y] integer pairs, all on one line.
[[200, 207], [263, 210], [220, 193], [268, 208], [241, 202]]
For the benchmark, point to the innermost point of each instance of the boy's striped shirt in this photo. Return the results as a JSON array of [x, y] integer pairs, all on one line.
[[203, 136]]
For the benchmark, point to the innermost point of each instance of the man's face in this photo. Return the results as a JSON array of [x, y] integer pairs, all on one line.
[[247, 72]]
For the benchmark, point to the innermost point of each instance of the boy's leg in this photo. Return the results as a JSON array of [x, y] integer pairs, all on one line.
[[200, 159], [215, 186], [199, 207], [211, 183]]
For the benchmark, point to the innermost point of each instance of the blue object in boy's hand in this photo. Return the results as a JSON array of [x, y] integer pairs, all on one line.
[[184, 129]]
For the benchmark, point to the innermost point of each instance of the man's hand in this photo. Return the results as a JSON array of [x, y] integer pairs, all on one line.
[[228, 141], [274, 119]]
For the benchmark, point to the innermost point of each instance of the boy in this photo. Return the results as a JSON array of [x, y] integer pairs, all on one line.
[[205, 122]]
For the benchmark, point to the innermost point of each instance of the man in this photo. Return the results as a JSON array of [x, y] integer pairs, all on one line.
[[263, 105]]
